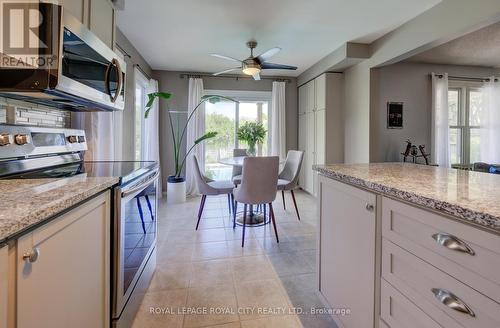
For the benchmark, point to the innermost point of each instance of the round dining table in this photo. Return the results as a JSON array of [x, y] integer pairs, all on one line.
[[256, 216]]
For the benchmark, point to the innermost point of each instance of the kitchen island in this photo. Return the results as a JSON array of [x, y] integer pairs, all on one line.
[[400, 241]]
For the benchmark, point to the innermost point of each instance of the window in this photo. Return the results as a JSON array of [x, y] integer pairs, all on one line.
[[141, 90], [225, 117], [464, 104]]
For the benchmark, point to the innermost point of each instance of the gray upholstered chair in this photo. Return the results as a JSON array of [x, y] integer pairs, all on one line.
[[208, 187], [289, 176], [259, 179], [236, 175]]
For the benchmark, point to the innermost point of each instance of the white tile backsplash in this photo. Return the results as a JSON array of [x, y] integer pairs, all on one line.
[[31, 114]]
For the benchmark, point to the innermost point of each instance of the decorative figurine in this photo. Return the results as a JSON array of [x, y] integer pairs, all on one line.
[[412, 150]]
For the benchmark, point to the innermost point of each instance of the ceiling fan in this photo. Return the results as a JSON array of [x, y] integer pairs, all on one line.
[[253, 65]]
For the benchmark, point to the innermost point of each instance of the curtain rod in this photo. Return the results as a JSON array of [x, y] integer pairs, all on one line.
[[466, 78], [142, 71], [237, 77]]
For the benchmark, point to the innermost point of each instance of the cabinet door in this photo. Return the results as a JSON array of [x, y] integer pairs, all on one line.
[[67, 285], [302, 99], [310, 104], [302, 147], [75, 8], [4, 265], [347, 251], [102, 21], [320, 141], [310, 153], [320, 92]]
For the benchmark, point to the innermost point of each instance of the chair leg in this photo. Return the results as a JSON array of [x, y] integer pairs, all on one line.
[[235, 209], [141, 214], [283, 196], [265, 216], [229, 202], [295, 203], [200, 211], [244, 224], [274, 221], [150, 207]]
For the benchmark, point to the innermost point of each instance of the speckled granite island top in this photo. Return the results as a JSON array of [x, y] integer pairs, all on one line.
[[467, 195], [25, 203]]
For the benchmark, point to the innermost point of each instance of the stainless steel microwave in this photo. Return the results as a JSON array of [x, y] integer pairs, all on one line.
[[70, 69]]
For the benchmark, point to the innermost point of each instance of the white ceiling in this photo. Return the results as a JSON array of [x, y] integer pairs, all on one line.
[[179, 34], [479, 48]]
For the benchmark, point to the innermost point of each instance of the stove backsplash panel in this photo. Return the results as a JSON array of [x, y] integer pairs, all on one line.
[[20, 113]]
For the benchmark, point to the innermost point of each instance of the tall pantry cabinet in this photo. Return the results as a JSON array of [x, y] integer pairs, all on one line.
[[321, 132]]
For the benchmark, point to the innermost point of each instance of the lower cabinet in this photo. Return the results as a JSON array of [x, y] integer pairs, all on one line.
[[4, 282], [63, 270], [347, 244]]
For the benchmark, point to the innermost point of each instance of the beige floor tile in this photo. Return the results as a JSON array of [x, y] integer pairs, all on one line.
[[210, 250], [211, 223], [160, 309], [226, 325], [209, 273], [287, 321], [208, 235], [168, 276], [260, 297], [250, 268], [174, 252], [212, 299], [251, 247]]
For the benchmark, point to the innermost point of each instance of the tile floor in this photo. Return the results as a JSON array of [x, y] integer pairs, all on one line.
[[208, 271]]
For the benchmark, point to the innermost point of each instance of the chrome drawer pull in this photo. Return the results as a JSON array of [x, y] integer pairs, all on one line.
[[453, 243], [452, 301], [31, 255]]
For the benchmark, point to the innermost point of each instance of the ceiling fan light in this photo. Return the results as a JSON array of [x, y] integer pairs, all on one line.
[[251, 70]]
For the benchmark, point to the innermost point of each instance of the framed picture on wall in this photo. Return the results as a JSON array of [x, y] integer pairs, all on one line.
[[394, 115]]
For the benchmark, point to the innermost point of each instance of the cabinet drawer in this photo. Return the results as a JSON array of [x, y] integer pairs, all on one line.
[[420, 281], [398, 311], [416, 230]]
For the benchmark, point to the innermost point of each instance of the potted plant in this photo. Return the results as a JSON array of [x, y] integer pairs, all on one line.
[[176, 183], [252, 133]]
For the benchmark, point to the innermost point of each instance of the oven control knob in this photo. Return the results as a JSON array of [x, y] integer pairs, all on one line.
[[4, 139], [73, 139], [21, 139], [81, 139]]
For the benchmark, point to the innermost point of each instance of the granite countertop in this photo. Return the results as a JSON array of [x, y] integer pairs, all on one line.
[[26, 203], [467, 195]]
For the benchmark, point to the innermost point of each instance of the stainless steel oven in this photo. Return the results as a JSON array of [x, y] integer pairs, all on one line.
[[84, 74], [134, 245]]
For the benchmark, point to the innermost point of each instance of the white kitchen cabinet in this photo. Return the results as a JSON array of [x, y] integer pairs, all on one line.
[[347, 244], [77, 8], [4, 283], [63, 269], [102, 20], [322, 137]]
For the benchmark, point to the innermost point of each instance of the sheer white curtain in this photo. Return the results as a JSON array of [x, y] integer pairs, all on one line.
[[440, 148], [100, 132], [151, 150], [195, 129], [490, 123], [278, 120]]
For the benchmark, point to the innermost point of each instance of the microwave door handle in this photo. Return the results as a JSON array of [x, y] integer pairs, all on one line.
[[107, 81]]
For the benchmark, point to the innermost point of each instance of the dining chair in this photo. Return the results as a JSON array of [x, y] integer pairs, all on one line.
[[259, 179], [236, 174], [289, 176], [209, 187]]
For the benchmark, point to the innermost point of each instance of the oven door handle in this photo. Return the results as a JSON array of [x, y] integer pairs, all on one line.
[[141, 186]]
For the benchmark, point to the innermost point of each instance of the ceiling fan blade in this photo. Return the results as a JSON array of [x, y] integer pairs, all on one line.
[[226, 57], [277, 66], [268, 54], [226, 71], [256, 77]]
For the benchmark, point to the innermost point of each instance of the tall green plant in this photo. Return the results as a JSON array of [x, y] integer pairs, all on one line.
[[252, 133], [179, 160]]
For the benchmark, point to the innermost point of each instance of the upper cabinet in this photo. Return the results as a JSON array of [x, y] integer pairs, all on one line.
[[97, 15], [102, 20]]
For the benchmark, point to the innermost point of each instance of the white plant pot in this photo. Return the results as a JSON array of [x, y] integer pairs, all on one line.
[[176, 192]]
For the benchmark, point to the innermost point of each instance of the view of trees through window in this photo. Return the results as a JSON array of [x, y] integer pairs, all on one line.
[[225, 118], [464, 116]]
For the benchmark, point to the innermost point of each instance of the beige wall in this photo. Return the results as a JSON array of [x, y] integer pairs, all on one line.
[[409, 83], [170, 81]]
